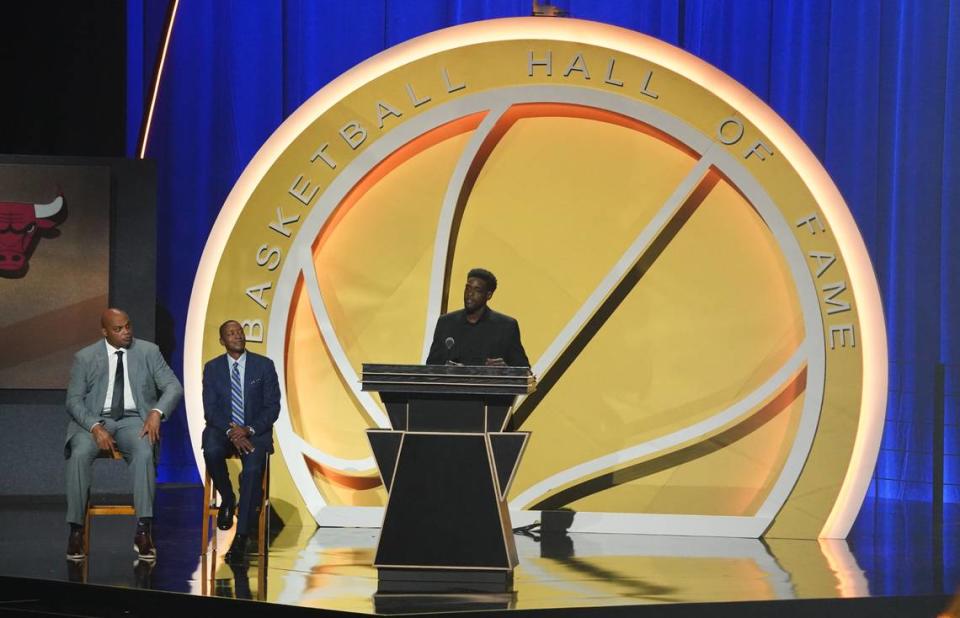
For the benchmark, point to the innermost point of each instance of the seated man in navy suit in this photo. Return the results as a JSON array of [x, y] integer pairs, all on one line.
[[241, 402]]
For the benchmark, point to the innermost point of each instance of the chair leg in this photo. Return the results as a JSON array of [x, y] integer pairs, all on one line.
[[203, 574], [264, 535], [86, 532], [205, 528], [262, 580], [264, 527], [212, 519]]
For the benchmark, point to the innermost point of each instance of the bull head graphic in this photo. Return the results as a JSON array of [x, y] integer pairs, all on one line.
[[21, 227]]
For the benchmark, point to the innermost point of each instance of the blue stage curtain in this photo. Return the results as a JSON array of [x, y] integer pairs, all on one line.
[[873, 88], [949, 271], [146, 20]]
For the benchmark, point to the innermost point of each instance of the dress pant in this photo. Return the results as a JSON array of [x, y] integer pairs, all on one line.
[[138, 453], [216, 448]]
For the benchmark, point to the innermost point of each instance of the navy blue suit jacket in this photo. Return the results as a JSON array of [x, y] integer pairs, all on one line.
[[261, 396]]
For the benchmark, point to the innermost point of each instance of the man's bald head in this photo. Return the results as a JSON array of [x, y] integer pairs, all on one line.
[[116, 328], [112, 314]]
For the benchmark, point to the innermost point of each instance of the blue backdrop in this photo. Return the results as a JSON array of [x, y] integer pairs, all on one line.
[[873, 87]]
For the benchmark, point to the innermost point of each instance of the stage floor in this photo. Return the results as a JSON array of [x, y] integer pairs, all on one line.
[[896, 549]]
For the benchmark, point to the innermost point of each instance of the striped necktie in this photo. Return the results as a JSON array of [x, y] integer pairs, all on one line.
[[236, 396]]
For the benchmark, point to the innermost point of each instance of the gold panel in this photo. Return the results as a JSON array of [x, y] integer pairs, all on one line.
[[556, 204], [372, 265]]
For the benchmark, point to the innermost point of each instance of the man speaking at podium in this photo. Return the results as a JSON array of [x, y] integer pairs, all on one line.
[[476, 334]]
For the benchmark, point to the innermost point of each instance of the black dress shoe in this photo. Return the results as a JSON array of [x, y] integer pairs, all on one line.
[[238, 550], [75, 545], [225, 516], [143, 545]]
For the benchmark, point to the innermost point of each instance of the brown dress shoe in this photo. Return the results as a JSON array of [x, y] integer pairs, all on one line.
[[143, 544], [75, 544]]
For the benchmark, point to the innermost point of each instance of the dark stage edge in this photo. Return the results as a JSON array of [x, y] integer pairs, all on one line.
[[19, 596], [899, 561]]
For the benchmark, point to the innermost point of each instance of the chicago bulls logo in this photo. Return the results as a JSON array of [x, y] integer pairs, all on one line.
[[22, 225]]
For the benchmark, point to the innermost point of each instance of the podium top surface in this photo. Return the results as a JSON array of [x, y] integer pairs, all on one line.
[[449, 379]]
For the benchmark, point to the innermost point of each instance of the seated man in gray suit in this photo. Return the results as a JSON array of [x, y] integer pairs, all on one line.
[[120, 390]]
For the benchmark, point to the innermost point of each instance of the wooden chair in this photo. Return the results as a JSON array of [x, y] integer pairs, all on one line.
[[103, 509], [210, 511]]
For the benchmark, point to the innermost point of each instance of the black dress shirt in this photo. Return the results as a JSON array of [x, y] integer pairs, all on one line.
[[494, 335]]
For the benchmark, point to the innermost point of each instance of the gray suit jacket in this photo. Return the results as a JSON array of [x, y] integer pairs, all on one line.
[[151, 379]]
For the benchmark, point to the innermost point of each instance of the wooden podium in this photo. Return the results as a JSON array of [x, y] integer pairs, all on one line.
[[447, 465]]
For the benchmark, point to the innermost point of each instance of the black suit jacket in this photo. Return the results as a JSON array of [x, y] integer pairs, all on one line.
[[261, 396], [495, 335]]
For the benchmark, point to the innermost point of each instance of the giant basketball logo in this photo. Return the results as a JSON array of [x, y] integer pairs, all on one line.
[[697, 302]]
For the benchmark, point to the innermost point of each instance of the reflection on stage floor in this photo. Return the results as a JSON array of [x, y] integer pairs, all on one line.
[[892, 551]]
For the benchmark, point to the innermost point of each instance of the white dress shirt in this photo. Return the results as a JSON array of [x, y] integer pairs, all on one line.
[[129, 403]]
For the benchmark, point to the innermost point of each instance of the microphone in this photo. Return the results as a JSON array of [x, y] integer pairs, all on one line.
[[449, 342]]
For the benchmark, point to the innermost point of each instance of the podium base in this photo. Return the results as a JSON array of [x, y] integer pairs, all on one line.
[[443, 581], [426, 603]]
